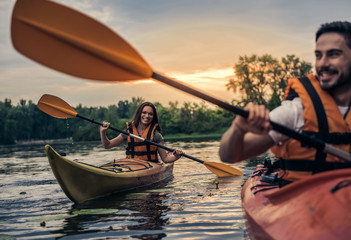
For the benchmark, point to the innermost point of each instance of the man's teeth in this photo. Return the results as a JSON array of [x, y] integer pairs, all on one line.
[[326, 74]]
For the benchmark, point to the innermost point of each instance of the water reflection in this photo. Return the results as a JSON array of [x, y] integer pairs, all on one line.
[[138, 211], [189, 206]]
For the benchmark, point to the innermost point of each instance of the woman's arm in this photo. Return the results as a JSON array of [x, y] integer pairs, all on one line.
[[169, 157], [107, 143]]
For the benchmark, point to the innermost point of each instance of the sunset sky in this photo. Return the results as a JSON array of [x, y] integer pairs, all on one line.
[[195, 41]]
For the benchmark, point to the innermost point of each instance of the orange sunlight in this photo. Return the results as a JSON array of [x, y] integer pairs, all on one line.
[[211, 81]]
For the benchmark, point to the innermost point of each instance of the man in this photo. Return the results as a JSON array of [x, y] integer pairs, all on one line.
[[318, 105]]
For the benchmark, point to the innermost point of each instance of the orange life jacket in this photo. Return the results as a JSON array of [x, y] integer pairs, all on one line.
[[323, 120], [139, 149]]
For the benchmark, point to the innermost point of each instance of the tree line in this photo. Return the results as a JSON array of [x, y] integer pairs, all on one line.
[[25, 121], [260, 79]]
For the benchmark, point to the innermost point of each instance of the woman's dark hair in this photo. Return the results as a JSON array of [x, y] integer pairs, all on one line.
[[137, 114], [341, 27]]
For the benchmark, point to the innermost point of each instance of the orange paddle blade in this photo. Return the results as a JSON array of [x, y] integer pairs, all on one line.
[[222, 170], [71, 42], [56, 107]]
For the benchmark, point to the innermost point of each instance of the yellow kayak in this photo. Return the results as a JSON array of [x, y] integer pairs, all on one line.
[[81, 181]]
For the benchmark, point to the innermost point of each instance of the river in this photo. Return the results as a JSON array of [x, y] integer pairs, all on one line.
[[188, 206]]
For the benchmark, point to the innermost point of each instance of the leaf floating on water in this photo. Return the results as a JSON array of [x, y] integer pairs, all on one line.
[[97, 211]]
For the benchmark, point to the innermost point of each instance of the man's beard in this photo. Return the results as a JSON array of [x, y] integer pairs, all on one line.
[[343, 80]]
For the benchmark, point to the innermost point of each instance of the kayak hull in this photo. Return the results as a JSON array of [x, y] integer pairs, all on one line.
[[318, 207], [82, 182]]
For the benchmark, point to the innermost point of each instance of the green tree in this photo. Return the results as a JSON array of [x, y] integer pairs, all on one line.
[[169, 118], [263, 79], [5, 132], [26, 122], [123, 109]]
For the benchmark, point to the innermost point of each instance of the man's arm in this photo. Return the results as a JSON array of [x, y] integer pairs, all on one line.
[[237, 145], [247, 137]]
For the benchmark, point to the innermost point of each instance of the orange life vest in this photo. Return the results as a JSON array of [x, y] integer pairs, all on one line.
[[323, 120], [139, 149]]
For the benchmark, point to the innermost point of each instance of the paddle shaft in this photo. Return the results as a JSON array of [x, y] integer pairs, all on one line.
[[140, 138], [303, 138]]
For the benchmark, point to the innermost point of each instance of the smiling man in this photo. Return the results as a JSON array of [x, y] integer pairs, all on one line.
[[318, 105], [333, 63]]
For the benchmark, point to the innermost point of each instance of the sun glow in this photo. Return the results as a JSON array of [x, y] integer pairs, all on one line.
[[211, 79]]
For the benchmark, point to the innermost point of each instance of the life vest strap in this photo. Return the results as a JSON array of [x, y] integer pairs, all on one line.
[[332, 138], [149, 152], [310, 165]]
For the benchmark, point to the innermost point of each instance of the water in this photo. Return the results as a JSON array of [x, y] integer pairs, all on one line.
[[188, 206]]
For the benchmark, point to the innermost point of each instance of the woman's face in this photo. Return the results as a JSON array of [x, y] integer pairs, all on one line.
[[147, 115]]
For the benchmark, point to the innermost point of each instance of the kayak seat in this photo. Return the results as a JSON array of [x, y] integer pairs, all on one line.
[[126, 166]]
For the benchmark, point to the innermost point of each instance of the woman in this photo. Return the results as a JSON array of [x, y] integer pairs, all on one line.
[[144, 124]]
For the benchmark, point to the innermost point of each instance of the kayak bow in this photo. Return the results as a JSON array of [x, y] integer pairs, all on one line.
[[81, 182], [317, 207]]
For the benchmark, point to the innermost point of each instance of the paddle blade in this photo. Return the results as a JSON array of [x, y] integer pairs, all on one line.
[[71, 42], [222, 170], [56, 107]]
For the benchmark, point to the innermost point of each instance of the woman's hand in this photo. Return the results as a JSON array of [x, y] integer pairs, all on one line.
[[104, 127], [178, 153]]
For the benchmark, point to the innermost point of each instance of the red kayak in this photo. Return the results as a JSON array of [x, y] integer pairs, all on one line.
[[318, 207]]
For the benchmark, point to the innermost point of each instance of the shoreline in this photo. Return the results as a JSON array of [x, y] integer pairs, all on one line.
[[172, 138]]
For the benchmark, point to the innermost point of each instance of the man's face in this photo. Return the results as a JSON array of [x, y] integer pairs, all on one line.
[[333, 61]]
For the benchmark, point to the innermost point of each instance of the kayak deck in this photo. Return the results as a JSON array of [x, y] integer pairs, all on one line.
[[81, 182], [318, 207]]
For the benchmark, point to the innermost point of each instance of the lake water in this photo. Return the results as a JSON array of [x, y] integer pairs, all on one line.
[[188, 206]]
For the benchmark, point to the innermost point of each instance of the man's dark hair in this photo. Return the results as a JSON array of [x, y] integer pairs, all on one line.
[[343, 28]]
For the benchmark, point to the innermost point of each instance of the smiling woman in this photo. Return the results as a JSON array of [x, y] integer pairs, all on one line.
[[144, 124]]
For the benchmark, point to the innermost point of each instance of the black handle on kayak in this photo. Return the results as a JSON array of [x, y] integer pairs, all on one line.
[[140, 138]]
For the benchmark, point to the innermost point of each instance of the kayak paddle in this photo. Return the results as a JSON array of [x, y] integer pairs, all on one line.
[[83, 47], [56, 107]]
